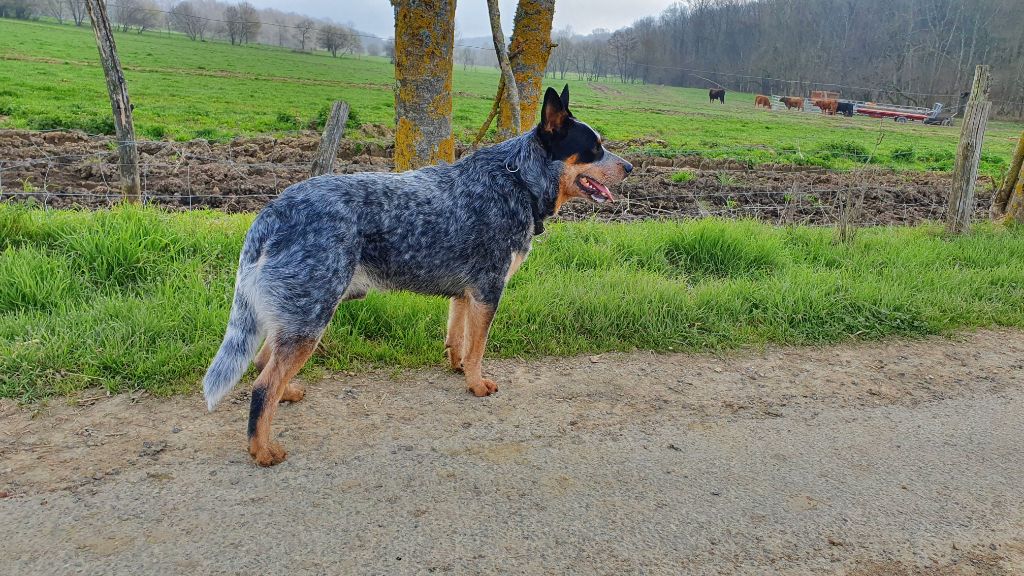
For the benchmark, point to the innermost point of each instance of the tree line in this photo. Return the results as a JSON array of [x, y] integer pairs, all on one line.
[[913, 52], [201, 20]]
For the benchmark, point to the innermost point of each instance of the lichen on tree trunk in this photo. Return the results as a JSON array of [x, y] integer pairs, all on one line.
[[528, 55], [424, 39]]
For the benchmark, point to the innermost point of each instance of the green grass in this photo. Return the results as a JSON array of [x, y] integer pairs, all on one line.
[[50, 78], [683, 176], [138, 298]]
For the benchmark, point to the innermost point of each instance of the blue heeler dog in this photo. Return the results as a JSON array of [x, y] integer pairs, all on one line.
[[458, 230]]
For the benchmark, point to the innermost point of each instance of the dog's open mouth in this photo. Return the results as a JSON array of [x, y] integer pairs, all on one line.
[[597, 191]]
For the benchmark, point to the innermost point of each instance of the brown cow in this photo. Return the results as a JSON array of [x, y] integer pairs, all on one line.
[[762, 100], [828, 106], [793, 102]]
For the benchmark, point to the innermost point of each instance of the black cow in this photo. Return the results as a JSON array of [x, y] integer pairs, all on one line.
[[716, 94], [845, 108]]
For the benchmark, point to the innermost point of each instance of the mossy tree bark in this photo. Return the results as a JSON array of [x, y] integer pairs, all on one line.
[[528, 55], [424, 41]]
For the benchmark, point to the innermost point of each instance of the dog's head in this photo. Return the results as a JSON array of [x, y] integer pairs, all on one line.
[[589, 169]]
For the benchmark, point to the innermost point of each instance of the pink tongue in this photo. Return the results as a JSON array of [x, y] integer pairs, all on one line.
[[602, 189]]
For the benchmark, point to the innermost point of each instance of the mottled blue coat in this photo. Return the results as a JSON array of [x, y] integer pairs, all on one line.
[[440, 230]]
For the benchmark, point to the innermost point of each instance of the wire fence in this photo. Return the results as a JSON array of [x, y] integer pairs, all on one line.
[[74, 170]]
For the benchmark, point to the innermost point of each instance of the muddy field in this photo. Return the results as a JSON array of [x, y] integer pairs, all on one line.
[[67, 169]]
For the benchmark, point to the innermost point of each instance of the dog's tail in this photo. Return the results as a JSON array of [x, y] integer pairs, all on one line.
[[243, 334], [236, 351]]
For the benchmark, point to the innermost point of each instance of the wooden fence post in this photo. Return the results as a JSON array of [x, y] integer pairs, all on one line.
[[128, 153], [968, 153], [334, 129]]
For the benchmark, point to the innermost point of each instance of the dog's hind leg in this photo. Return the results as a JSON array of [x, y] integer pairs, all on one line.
[[454, 342], [260, 362], [286, 359], [299, 298], [292, 393]]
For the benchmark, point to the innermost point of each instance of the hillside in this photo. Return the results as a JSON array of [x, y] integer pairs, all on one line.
[[50, 79]]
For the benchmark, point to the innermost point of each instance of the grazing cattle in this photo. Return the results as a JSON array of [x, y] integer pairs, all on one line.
[[716, 94], [793, 102], [762, 100], [845, 108], [828, 106]]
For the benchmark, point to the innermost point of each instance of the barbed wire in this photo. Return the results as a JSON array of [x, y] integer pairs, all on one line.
[[237, 177]]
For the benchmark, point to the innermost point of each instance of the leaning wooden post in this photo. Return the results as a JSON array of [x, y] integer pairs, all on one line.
[[323, 162], [968, 153], [127, 151]]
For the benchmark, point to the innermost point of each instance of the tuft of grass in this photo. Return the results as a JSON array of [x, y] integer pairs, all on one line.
[[683, 176], [844, 150], [138, 298], [726, 179], [903, 154]]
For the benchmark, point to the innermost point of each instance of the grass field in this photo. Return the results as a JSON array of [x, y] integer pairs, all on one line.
[[138, 298], [50, 78]]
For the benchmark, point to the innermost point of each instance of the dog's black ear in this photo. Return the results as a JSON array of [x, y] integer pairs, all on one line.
[[565, 99], [553, 114]]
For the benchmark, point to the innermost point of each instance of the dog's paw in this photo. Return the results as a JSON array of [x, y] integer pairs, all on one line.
[[293, 394], [454, 359], [269, 455], [484, 387]]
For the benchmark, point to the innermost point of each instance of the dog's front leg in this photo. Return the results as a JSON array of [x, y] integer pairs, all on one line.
[[479, 315], [454, 342]]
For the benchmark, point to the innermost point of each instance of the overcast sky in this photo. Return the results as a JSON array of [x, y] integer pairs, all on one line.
[[377, 16]]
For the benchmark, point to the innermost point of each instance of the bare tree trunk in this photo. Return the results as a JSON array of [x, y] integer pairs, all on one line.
[[128, 153], [1008, 204], [965, 172], [490, 116], [424, 39], [511, 92], [323, 162], [528, 55]]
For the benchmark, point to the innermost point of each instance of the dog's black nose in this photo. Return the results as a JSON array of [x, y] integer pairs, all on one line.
[[627, 167]]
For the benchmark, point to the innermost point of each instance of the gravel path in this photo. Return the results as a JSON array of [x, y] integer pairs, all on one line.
[[868, 459]]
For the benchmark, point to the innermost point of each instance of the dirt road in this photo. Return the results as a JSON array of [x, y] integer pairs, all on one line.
[[887, 458]]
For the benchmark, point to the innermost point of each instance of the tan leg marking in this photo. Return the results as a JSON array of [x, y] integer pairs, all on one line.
[[284, 364], [454, 342], [478, 322], [517, 260], [263, 357], [292, 393]]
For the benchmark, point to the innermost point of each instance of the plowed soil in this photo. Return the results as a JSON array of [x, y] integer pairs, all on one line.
[[66, 169]]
